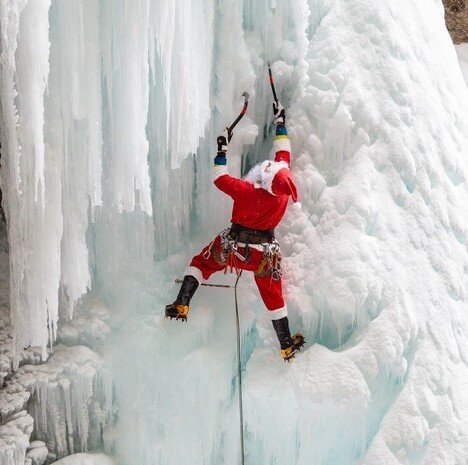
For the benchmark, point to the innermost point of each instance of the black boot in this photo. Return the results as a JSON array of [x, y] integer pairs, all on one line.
[[289, 345], [180, 307]]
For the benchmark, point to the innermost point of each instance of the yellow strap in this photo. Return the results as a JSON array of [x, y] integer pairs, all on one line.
[[281, 136]]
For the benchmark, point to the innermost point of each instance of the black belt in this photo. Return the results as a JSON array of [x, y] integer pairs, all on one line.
[[246, 235]]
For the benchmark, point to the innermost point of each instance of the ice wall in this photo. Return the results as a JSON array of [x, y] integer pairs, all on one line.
[[29, 182], [462, 52], [75, 107], [376, 262], [107, 142]]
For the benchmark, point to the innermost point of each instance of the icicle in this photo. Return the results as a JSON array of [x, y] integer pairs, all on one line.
[[125, 61], [74, 132], [175, 28], [32, 189], [32, 68]]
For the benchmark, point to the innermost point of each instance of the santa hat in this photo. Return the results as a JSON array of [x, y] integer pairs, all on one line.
[[273, 176]]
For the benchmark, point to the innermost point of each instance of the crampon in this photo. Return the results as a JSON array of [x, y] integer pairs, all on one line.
[[290, 352], [179, 312]]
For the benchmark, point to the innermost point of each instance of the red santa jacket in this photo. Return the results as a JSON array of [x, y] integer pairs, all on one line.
[[261, 198]]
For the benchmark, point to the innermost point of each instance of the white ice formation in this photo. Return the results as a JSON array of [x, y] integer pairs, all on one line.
[[70, 399], [14, 438], [90, 325], [85, 459], [110, 110], [70, 396], [462, 52]]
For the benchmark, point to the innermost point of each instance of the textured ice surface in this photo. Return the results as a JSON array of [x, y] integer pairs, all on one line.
[[462, 52], [37, 453], [30, 181], [85, 459], [89, 326], [14, 439], [375, 263], [15, 424], [71, 399]]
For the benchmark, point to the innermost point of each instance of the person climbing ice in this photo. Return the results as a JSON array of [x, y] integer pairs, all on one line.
[[260, 202]]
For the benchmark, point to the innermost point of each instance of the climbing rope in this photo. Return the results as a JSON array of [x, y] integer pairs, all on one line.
[[239, 363], [224, 286], [239, 372]]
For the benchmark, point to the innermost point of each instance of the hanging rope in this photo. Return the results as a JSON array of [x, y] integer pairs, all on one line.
[[224, 286], [239, 363], [239, 372]]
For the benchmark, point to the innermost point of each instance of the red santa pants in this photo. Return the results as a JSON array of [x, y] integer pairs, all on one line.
[[209, 261]]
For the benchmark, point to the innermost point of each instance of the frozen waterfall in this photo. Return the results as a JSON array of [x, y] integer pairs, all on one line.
[[109, 114]]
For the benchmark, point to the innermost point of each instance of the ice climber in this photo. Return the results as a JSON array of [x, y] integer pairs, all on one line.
[[260, 201]]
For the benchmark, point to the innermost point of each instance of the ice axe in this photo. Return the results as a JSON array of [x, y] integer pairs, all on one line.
[[236, 121], [272, 83]]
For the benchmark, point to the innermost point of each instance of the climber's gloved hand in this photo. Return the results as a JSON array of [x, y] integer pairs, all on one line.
[[222, 141], [279, 113]]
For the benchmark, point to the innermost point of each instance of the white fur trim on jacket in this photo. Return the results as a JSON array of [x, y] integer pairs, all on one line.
[[195, 272], [262, 174], [282, 144], [278, 313], [218, 170]]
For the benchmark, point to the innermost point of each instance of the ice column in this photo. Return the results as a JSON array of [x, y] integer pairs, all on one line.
[[31, 185], [182, 40], [179, 111], [74, 131], [125, 74]]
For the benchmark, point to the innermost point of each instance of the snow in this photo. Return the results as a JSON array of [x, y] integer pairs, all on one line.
[[108, 138]]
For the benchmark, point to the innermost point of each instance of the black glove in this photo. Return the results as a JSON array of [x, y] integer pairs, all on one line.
[[222, 141], [279, 113]]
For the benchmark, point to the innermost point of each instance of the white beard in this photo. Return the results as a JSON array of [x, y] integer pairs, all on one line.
[[262, 174]]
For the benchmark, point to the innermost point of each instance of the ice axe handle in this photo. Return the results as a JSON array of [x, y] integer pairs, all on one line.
[[272, 83], [241, 114]]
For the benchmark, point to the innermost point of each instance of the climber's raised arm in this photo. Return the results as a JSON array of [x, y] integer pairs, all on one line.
[[230, 185], [282, 145]]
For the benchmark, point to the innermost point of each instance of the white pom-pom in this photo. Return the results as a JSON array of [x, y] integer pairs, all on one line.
[[297, 205]]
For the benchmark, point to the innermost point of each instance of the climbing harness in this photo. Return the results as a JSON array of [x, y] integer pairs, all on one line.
[[229, 253], [230, 256], [271, 262]]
